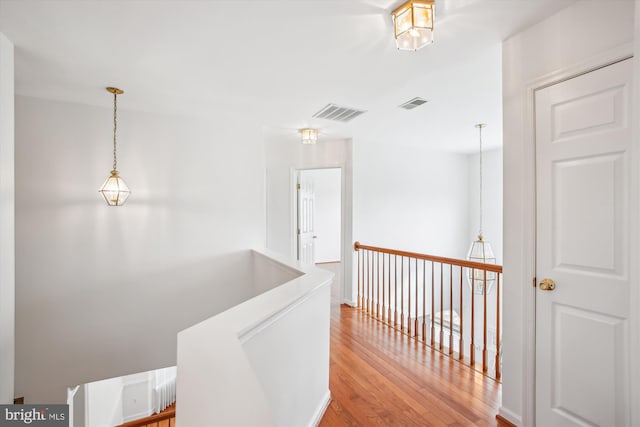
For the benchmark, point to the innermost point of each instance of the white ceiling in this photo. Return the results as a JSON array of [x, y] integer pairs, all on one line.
[[277, 61]]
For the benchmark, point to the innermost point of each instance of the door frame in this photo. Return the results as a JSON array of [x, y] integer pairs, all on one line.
[[345, 224], [527, 277]]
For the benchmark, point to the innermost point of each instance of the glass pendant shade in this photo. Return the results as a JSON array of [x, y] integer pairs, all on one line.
[[114, 190], [480, 251], [413, 24], [309, 136]]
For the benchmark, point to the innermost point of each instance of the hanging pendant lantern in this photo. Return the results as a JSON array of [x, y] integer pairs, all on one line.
[[114, 190], [480, 250]]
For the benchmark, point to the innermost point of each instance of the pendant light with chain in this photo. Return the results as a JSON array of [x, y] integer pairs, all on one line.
[[114, 190], [480, 250]]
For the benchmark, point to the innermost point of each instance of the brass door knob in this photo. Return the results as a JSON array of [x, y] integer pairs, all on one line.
[[547, 285]]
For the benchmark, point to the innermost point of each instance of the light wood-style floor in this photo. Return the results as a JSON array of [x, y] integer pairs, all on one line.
[[380, 377]]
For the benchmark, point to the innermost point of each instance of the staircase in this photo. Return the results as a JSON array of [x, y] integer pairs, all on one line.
[[165, 418]]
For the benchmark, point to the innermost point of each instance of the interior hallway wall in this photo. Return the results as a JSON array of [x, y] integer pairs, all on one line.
[[7, 221], [283, 157], [102, 291], [564, 40], [411, 199]]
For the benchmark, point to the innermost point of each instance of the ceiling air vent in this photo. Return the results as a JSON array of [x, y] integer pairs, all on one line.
[[413, 103], [337, 113]]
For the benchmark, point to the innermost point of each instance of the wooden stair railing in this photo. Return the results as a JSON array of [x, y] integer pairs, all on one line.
[[155, 420], [414, 293]]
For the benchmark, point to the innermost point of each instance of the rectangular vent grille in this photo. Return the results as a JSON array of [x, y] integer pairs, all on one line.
[[411, 104], [337, 113]]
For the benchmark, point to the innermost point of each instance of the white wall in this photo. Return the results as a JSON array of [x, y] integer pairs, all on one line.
[[7, 248], [565, 40], [283, 157], [122, 399], [634, 268], [103, 400], [137, 396], [411, 199], [327, 216], [102, 291]]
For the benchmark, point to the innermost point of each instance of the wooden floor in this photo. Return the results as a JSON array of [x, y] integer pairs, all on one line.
[[380, 377]]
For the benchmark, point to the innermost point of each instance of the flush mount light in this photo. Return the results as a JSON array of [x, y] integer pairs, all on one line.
[[413, 24], [309, 135], [114, 190]]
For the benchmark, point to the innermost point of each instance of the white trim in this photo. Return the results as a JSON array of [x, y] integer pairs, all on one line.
[[71, 394], [616, 54], [634, 268], [86, 404], [346, 211], [293, 205], [324, 404], [139, 415], [347, 251], [510, 416], [265, 201]]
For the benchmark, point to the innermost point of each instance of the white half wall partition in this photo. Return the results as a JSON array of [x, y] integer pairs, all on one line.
[[7, 219], [264, 362]]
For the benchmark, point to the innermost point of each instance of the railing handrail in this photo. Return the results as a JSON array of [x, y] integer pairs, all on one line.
[[151, 419], [458, 262], [404, 285]]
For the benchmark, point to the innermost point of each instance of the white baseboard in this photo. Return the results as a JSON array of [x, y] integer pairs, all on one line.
[[510, 416], [350, 303], [133, 417], [324, 404]]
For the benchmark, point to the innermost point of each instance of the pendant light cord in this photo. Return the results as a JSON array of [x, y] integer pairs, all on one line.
[[480, 231], [115, 129]]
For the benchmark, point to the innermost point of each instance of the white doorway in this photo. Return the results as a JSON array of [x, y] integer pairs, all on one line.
[[583, 251], [318, 224]]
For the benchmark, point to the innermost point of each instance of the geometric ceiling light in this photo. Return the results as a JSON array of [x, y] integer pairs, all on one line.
[[309, 135], [114, 190], [480, 250], [413, 24]]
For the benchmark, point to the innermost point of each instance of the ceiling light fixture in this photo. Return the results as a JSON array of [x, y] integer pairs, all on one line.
[[114, 190], [309, 135], [480, 250], [413, 24]]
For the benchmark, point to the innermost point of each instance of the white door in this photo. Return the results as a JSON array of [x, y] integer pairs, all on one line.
[[583, 144], [306, 218]]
